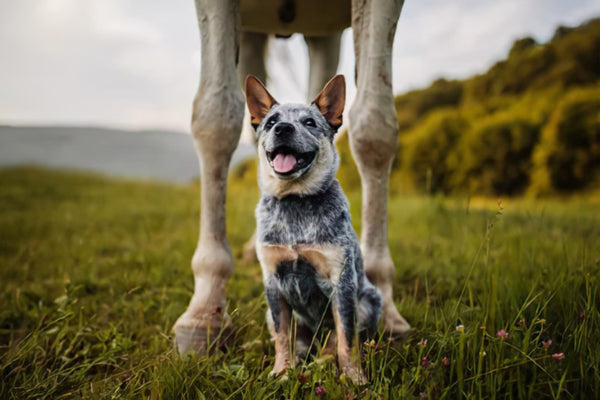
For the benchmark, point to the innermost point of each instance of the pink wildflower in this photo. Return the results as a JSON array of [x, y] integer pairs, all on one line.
[[320, 390], [547, 343], [445, 361], [425, 362], [502, 334], [558, 356], [423, 395], [422, 342]]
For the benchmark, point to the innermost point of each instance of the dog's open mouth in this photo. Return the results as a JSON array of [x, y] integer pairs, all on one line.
[[286, 161]]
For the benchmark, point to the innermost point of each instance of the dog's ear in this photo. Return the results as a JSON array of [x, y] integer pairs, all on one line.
[[259, 100], [331, 100]]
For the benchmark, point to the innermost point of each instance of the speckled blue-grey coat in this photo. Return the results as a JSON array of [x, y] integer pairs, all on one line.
[[309, 253]]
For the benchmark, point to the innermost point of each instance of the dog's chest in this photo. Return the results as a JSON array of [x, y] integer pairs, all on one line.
[[320, 219], [326, 260], [305, 275], [302, 245]]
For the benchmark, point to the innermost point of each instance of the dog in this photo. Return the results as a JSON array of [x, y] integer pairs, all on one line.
[[308, 251]]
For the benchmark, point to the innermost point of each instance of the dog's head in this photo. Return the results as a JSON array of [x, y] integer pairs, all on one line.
[[295, 141]]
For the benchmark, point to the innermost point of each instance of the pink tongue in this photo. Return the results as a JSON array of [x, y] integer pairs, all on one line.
[[284, 163]]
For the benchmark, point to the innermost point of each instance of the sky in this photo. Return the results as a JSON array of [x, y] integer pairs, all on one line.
[[135, 64]]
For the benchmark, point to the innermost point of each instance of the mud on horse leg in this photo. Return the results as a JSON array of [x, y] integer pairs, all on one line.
[[216, 124], [373, 133]]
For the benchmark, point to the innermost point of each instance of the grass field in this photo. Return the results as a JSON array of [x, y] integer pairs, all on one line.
[[503, 297]]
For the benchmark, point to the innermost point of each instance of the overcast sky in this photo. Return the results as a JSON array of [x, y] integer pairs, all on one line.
[[135, 63]]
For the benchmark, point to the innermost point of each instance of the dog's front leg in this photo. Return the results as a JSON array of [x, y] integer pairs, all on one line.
[[279, 319], [344, 316]]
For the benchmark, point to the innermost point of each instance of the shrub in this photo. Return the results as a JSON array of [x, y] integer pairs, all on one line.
[[425, 149], [494, 157], [417, 103], [568, 155]]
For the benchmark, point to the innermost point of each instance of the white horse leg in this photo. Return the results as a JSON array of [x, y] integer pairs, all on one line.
[[252, 56], [324, 56], [251, 62], [216, 123], [373, 140]]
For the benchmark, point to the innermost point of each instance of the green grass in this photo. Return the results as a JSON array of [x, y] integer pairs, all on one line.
[[94, 272]]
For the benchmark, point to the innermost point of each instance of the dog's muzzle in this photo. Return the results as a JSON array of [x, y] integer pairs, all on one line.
[[286, 162]]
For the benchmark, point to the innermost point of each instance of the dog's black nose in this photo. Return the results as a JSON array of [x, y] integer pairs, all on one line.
[[284, 128]]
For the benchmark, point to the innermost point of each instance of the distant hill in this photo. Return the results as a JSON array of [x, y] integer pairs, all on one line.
[[150, 154], [529, 125], [571, 58]]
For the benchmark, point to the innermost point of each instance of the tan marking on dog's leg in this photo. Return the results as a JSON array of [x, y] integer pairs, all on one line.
[[348, 361], [282, 340], [271, 255], [373, 139], [216, 124]]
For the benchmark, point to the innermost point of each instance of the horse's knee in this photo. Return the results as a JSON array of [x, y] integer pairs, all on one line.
[[373, 135], [217, 119]]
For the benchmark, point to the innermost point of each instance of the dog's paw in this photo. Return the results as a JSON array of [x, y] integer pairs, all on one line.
[[354, 373], [279, 372], [281, 367]]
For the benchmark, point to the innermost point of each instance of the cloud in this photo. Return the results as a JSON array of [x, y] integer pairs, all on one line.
[[101, 62], [135, 63], [459, 38]]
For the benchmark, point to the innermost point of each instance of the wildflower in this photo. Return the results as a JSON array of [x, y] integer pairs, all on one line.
[[445, 361], [425, 362], [320, 390], [423, 395], [547, 343], [422, 342], [482, 354], [502, 334], [558, 356], [522, 321], [460, 328]]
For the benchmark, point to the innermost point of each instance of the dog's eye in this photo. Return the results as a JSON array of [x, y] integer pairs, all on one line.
[[270, 122], [310, 122]]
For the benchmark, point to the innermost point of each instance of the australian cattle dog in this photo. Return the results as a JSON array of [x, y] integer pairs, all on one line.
[[309, 253]]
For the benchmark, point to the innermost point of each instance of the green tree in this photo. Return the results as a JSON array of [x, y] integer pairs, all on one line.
[[425, 149], [494, 157], [568, 155]]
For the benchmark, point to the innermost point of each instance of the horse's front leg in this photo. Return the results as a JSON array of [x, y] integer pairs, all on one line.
[[216, 123], [373, 133]]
